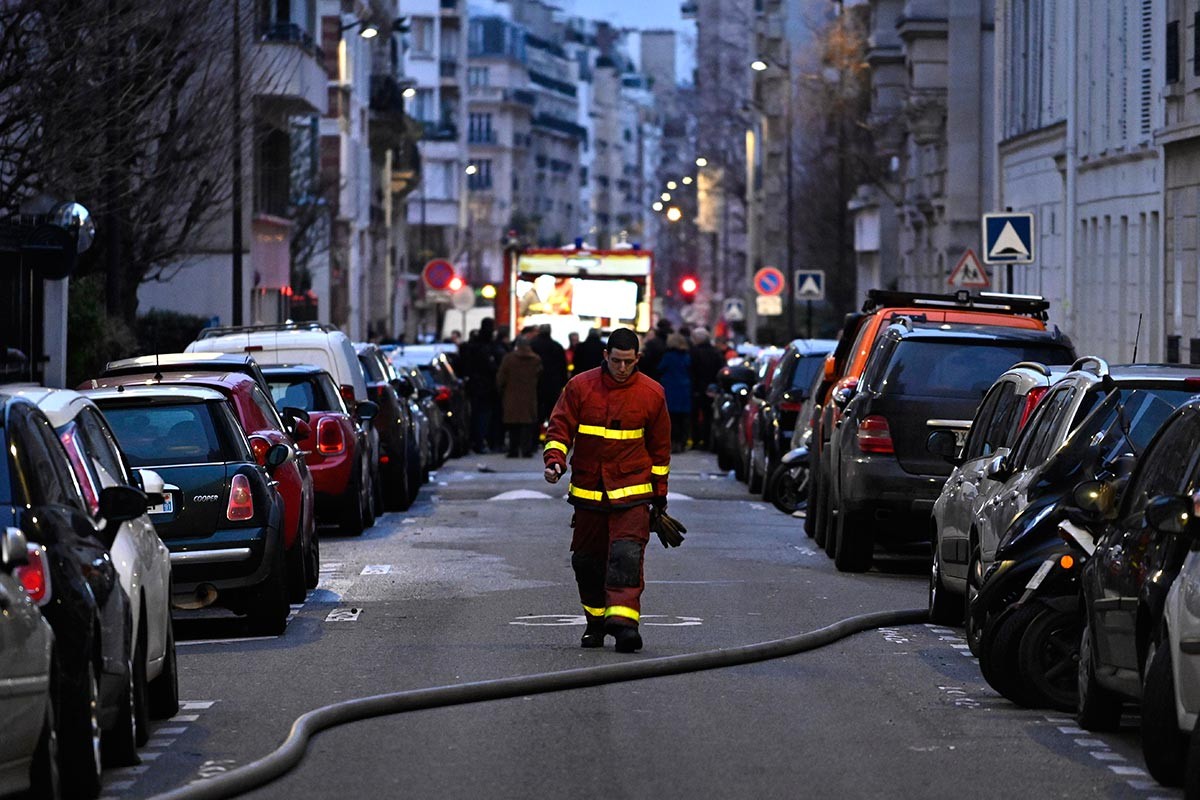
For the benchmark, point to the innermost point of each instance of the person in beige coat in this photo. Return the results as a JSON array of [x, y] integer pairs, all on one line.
[[517, 380]]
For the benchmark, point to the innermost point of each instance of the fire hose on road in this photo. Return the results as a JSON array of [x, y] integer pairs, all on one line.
[[285, 757]]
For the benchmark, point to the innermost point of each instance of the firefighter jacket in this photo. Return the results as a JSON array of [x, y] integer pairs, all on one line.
[[621, 434]]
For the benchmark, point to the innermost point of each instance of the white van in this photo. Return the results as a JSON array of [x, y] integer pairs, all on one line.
[[304, 343]]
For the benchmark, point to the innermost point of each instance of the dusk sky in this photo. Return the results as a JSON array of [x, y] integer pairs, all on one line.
[[642, 15]]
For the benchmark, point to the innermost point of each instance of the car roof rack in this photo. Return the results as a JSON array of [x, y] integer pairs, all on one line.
[[225, 330], [1036, 366], [1098, 364], [1023, 304]]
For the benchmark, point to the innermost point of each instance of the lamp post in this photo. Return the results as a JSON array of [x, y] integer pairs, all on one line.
[[236, 277], [761, 65]]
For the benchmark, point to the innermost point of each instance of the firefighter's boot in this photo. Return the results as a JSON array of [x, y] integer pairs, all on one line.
[[627, 636], [593, 634]]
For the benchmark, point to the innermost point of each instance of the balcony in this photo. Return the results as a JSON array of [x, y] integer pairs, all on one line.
[[561, 126], [439, 131], [448, 69], [287, 74], [482, 137], [451, 8]]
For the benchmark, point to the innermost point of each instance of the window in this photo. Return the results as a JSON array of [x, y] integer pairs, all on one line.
[[478, 76], [482, 179], [977, 438], [266, 408], [1171, 59], [76, 454], [421, 35], [166, 434], [1165, 468], [103, 448], [43, 462], [479, 129], [423, 107]]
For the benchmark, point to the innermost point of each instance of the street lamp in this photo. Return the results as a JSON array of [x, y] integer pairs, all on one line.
[[701, 162], [367, 30], [665, 196], [658, 206], [760, 65], [674, 214], [672, 185], [409, 93], [687, 180], [471, 169]]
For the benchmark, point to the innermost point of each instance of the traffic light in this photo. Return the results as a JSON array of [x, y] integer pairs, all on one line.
[[688, 287]]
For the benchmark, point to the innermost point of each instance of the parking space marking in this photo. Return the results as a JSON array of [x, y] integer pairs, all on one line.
[[196, 705], [148, 756], [1122, 769], [184, 718], [376, 569], [157, 742], [173, 731], [1106, 755], [344, 615], [163, 735]]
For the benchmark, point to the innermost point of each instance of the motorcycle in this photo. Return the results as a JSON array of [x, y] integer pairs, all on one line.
[[787, 486]]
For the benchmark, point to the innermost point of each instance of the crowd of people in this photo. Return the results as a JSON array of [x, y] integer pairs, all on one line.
[[513, 386]]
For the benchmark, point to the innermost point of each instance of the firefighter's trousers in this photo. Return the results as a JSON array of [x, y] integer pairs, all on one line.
[[607, 551]]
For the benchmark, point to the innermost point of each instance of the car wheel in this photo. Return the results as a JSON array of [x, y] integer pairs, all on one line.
[[787, 489], [1049, 656], [943, 608], [855, 546], [79, 737], [312, 572], [828, 522], [1164, 746], [164, 690], [754, 477], [352, 523], [724, 460], [813, 517], [269, 608], [43, 770], [999, 644], [769, 469], [120, 742], [1097, 709], [972, 625], [1191, 784], [297, 579], [740, 457], [369, 500]]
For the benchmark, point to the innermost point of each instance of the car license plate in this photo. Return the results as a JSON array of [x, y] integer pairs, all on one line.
[[1041, 574], [167, 506]]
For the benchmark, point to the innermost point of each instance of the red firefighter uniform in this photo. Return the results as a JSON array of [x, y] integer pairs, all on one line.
[[621, 435]]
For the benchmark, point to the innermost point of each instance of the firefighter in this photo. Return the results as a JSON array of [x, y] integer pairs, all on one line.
[[616, 419]]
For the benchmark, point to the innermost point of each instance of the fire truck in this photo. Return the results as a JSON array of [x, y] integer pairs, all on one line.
[[576, 289]]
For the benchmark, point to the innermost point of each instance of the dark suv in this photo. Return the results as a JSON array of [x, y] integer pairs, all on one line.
[[879, 467]]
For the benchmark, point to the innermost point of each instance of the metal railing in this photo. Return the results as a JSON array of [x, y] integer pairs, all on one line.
[[290, 32]]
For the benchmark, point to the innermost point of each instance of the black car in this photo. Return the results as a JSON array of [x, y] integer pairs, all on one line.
[[221, 516], [800, 363], [1140, 549], [449, 392], [398, 457], [75, 583], [729, 395], [883, 479], [438, 437]]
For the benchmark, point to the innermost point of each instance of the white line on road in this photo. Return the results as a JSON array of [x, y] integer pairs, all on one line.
[[233, 640], [160, 743], [173, 731], [148, 756], [376, 569], [1122, 769], [1106, 755], [1071, 730], [196, 705], [119, 786], [344, 615], [758, 506], [1091, 743], [184, 718]]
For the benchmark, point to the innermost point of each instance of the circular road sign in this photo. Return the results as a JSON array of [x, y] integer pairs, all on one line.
[[768, 281], [463, 299], [438, 273]]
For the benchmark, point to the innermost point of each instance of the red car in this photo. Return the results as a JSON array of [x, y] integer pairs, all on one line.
[[338, 456], [751, 467], [264, 428]]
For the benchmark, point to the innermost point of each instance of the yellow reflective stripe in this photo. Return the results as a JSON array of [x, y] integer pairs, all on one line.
[[586, 494], [611, 433], [659, 470], [622, 611], [552, 445], [641, 488], [594, 612]]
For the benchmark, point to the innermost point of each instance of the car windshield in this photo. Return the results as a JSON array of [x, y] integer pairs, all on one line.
[[158, 435], [298, 392], [806, 371], [957, 369]]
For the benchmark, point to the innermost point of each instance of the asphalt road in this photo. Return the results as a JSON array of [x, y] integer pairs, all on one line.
[[474, 582]]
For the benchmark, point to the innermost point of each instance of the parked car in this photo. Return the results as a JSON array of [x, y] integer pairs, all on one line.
[[142, 560], [265, 427], [221, 515], [438, 436], [398, 455], [72, 578], [750, 457], [787, 486], [1171, 695], [1041, 467], [1001, 415], [860, 331], [729, 396], [184, 363], [449, 391], [28, 748], [1140, 548], [882, 479], [801, 361], [336, 449]]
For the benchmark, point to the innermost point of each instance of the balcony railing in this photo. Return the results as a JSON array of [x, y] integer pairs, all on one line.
[[448, 68], [292, 33], [561, 126], [439, 131], [481, 137]]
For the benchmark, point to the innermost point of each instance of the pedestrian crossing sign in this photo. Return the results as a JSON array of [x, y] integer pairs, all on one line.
[[1008, 238], [969, 273]]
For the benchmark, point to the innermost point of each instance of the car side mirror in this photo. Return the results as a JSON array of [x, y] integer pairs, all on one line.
[[1169, 513], [1098, 498], [424, 393], [945, 444], [366, 411], [276, 455], [14, 549], [842, 395], [999, 468], [301, 430], [122, 503], [152, 485], [759, 391], [830, 368], [403, 387]]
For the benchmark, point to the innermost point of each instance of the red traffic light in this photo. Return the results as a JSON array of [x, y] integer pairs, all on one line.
[[455, 284], [688, 286]]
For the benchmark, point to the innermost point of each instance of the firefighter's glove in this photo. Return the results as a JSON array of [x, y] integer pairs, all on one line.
[[670, 530]]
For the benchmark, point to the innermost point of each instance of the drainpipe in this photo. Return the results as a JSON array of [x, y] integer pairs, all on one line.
[[1069, 211]]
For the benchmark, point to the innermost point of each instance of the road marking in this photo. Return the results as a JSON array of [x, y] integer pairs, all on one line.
[[1122, 769], [171, 731], [232, 640], [1091, 743], [521, 494], [376, 569], [563, 620], [408, 521], [758, 506], [213, 768], [344, 615], [1106, 755], [1071, 730], [196, 705], [678, 496], [148, 756], [120, 786], [184, 718], [155, 742]]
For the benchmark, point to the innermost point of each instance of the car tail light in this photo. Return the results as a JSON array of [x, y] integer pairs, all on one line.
[[442, 395], [241, 500], [347, 392], [791, 405], [874, 436], [1031, 400], [259, 446], [385, 459], [330, 440], [35, 575], [252, 348]]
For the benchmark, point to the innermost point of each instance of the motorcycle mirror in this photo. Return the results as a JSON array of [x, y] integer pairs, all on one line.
[[1169, 513], [1095, 497]]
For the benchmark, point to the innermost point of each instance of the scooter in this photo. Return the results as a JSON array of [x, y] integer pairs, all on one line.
[[787, 486]]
